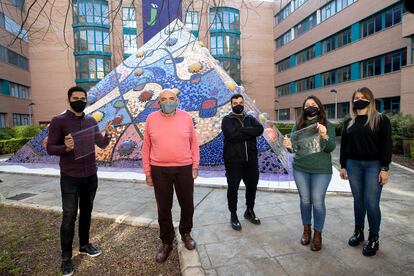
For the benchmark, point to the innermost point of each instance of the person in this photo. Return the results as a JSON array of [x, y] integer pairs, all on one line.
[[170, 159], [366, 150], [78, 178], [312, 173], [240, 131]]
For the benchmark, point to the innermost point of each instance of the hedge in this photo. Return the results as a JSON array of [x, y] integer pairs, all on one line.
[[12, 145]]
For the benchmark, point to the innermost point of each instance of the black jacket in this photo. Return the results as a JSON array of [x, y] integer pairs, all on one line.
[[240, 137]]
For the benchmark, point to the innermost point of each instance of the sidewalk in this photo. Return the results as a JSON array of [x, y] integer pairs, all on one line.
[[269, 249]]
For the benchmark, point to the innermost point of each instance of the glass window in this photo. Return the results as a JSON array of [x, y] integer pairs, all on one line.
[[2, 21], [327, 11], [90, 11], [285, 12], [92, 40], [395, 60], [283, 39], [344, 37], [191, 20], [128, 17], [305, 55], [283, 65], [227, 44], [2, 120], [20, 120], [283, 90], [305, 25], [284, 114], [232, 67], [299, 3], [224, 19], [371, 67], [130, 44], [92, 67], [305, 84]]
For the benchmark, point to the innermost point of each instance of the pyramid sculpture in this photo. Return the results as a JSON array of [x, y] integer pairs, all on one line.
[[172, 59]]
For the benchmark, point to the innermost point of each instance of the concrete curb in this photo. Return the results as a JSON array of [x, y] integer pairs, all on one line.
[[402, 167], [190, 262]]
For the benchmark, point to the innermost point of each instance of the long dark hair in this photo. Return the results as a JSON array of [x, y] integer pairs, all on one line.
[[321, 117]]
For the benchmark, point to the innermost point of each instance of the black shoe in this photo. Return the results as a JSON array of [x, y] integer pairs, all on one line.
[[251, 216], [90, 250], [357, 237], [67, 268], [371, 248], [235, 223]]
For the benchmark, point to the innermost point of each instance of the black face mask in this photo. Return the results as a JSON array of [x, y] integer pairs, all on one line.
[[360, 104], [311, 111], [78, 106], [238, 109]]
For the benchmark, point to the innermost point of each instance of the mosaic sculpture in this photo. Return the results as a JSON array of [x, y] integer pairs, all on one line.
[[172, 59]]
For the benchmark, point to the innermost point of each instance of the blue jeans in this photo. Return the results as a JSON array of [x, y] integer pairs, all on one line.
[[312, 190], [366, 190]]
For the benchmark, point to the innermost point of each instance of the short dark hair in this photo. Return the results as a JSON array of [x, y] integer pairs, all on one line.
[[76, 89], [235, 96]]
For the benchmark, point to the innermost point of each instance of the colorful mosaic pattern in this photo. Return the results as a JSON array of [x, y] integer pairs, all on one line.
[[172, 59]]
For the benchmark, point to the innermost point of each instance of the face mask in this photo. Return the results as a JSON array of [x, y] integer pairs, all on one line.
[[361, 104], [168, 107], [238, 109], [78, 106], [311, 111]]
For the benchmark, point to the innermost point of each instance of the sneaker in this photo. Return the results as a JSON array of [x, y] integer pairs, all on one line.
[[67, 268], [90, 250]]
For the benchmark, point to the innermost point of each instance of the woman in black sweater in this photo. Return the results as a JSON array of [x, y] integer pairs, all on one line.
[[365, 156]]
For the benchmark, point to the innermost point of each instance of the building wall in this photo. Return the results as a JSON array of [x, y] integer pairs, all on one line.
[[379, 43]]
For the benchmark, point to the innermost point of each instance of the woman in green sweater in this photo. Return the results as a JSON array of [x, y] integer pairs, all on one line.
[[313, 172]]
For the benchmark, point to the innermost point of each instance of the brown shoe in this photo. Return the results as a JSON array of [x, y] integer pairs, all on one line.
[[307, 232], [189, 243], [317, 241], [163, 252]]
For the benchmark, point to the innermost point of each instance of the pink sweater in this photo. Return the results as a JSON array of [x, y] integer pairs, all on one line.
[[170, 141]]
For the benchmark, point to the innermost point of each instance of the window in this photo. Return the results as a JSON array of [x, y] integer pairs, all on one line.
[[342, 74], [328, 10], [2, 120], [11, 57], [393, 15], [305, 84], [299, 3], [128, 17], [305, 25], [92, 67], [283, 65], [371, 67], [343, 109], [13, 27], [330, 111], [395, 60], [191, 20], [90, 11], [373, 24], [305, 55], [19, 91], [95, 40], [283, 39], [232, 67], [225, 44], [130, 44], [17, 3], [328, 44], [285, 12], [224, 19], [284, 114], [344, 37], [388, 105], [298, 112], [21, 120], [412, 50], [283, 90]]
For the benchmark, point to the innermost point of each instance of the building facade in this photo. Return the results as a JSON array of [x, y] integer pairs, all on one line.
[[331, 48]]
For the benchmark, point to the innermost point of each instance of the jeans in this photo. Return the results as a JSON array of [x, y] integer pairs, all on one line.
[[366, 190], [165, 180], [312, 190], [249, 173], [76, 191]]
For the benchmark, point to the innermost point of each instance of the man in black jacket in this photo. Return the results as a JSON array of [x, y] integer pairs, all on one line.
[[240, 158]]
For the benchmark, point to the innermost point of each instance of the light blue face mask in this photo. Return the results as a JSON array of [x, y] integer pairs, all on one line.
[[168, 107]]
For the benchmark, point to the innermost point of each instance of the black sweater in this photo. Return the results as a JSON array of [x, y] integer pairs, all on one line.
[[359, 142]]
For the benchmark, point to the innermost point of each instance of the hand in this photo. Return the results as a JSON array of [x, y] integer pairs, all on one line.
[[195, 173], [149, 181], [109, 128], [322, 130], [45, 142], [69, 143], [383, 178], [343, 174], [287, 143]]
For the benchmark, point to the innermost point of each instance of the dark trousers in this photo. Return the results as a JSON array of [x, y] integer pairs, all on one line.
[[165, 179], [76, 191], [249, 173]]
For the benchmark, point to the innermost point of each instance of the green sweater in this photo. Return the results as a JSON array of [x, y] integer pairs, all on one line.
[[320, 162]]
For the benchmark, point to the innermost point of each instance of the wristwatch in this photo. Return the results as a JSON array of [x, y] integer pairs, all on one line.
[[385, 169]]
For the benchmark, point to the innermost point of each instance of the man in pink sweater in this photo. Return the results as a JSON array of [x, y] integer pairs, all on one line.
[[170, 158]]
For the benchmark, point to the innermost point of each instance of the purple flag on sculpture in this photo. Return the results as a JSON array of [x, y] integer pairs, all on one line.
[[157, 14]]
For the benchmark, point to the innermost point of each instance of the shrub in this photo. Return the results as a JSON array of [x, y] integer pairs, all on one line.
[[26, 131], [12, 145]]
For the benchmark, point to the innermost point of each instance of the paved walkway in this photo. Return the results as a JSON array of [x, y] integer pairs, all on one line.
[[271, 248]]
